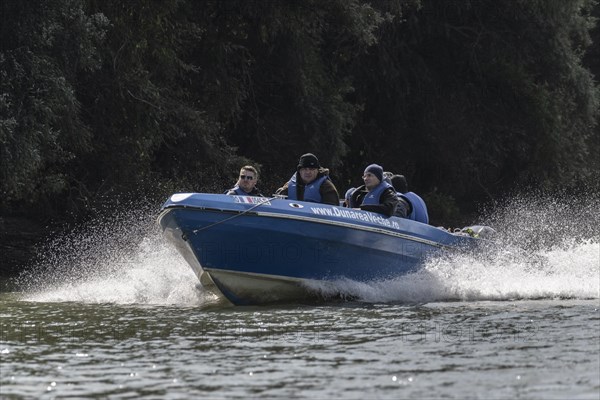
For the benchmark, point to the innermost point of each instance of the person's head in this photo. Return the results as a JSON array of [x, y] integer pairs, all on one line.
[[372, 176], [399, 183], [308, 167], [387, 177], [348, 195], [248, 178]]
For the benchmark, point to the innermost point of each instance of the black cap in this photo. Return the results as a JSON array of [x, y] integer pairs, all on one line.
[[308, 160]]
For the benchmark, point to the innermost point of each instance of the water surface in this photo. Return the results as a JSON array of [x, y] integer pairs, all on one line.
[[483, 349]]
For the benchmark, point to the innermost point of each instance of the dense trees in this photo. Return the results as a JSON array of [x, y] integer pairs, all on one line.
[[44, 46], [468, 99], [480, 96]]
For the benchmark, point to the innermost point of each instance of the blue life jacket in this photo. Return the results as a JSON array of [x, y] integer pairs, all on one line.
[[419, 209], [373, 196], [348, 197], [311, 191]]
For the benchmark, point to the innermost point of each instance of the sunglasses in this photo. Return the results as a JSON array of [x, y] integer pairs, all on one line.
[[247, 177]]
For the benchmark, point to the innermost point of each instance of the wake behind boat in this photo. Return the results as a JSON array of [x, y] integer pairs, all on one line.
[[255, 250]]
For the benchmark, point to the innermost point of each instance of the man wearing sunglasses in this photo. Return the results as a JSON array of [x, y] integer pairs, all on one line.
[[311, 182], [246, 184]]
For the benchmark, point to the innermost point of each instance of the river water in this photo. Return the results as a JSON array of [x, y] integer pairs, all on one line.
[[112, 312]]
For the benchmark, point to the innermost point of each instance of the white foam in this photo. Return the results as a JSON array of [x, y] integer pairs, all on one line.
[[558, 273], [540, 251], [124, 260], [154, 274]]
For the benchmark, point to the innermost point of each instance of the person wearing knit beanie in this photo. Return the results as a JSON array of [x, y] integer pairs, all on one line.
[[377, 195], [376, 170]]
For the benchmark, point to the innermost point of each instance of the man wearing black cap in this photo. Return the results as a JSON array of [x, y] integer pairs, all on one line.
[[377, 195], [311, 182]]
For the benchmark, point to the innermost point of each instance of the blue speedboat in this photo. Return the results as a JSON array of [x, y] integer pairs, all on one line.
[[255, 250]]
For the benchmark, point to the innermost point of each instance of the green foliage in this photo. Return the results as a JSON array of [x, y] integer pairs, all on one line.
[[475, 97], [298, 78], [44, 43], [172, 81], [100, 99]]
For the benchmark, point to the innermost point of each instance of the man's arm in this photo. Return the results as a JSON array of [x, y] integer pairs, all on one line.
[[282, 190], [403, 208], [329, 193], [387, 203]]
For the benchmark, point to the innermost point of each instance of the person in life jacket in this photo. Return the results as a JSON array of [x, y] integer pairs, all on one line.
[[310, 182], [346, 201], [246, 184], [418, 208], [377, 195]]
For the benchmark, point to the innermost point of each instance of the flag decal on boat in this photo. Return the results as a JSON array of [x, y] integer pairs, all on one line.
[[252, 200]]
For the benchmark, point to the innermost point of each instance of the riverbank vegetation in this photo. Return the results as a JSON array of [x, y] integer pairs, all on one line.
[[102, 101]]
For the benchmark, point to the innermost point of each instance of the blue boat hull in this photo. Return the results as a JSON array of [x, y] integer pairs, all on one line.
[[257, 251]]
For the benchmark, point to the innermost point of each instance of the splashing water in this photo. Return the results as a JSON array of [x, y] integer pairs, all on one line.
[[122, 259], [543, 249], [559, 273]]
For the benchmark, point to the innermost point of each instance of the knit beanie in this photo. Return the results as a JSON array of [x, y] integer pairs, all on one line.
[[376, 170]]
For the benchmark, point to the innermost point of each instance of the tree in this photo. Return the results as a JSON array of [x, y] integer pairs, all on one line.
[[44, 45], [473, 98], [298, 79]]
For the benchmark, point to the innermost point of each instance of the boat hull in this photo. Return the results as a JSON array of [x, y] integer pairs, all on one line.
[[257, 251]]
